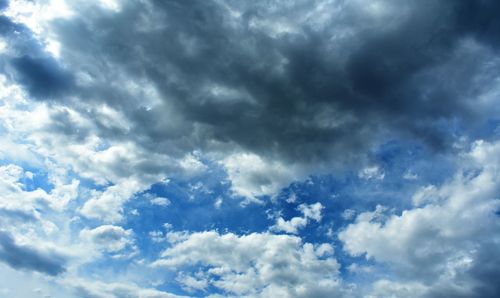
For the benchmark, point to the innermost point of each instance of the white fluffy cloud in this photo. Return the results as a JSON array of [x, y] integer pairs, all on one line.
[[440, 241], [255, 265], [108, 238], [107, 205], [159, 201], [253, 176], [292, 226]]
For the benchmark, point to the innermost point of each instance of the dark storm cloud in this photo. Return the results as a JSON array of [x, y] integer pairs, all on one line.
[[30, 66], [26, 257], [42, 77], [486, 270], [308, 95]]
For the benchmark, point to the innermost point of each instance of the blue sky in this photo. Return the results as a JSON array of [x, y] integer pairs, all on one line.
[[249, 149]]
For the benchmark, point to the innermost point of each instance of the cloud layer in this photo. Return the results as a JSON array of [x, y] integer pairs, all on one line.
[[290, 82]]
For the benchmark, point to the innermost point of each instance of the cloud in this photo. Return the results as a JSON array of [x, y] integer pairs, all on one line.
[[440, 244], [42, 77], [107, 205], [348, 214], [160, 201], [26, 257], [253, 177], [292, 226], [108, 238], [256, 265], [312, 211], [372, 172]]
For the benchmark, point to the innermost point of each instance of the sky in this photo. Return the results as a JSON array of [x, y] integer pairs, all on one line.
[[231, 148]]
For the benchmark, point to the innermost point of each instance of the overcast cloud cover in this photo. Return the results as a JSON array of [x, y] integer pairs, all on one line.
[[228, 148]]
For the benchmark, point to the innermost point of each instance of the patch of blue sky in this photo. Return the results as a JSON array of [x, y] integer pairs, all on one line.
[[106, 265], [185, 214], [198, 204], [398, 158]]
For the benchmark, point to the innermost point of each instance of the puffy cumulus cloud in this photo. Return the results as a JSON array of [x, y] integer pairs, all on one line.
[[312, 211], [27, 257], [156, 200], [444, 245], [292, 226], [290, 87], [107, 205], [254, 265], [252, 176], [160, 201], [108, 238]]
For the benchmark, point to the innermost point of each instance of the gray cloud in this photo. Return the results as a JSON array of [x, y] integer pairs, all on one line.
[[293, 81], [30, 258], [323, 89], [29, 65], [42, 77]]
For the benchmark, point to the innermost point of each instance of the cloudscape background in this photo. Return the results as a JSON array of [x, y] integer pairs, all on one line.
[[231, 148]]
